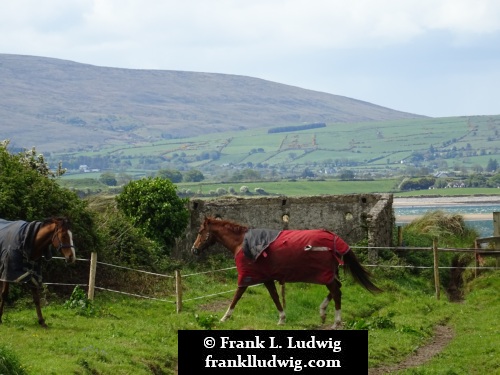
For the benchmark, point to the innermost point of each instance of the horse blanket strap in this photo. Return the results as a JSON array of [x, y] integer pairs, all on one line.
[[340, 247], [16, 244], [287, 259]]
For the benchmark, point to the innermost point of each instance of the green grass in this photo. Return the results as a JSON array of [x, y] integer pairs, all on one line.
[[333, 187], [130, 335], [372, 146], [301, 187]]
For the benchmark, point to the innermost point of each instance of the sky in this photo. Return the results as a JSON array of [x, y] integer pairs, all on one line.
[[435, 58]]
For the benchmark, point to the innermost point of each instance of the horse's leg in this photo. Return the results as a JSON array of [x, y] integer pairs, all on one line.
[[271, 287], [336, 294], [36, 299], [3, 296], [237, 295], [323, 306]]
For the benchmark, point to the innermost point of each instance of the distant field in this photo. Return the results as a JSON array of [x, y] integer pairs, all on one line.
[[301, 187], [333, 187], [298, 188], [372, 147]]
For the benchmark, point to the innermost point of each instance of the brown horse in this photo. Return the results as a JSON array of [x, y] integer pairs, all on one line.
[[22, 245], [265, 256]]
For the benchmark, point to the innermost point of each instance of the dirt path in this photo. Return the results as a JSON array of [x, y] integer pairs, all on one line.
[[442, 336]]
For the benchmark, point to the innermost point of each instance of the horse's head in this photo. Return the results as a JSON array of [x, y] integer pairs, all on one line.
[[62, 239], [205, 238]]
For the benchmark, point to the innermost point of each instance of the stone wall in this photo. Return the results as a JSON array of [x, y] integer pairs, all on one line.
[[354, 217]]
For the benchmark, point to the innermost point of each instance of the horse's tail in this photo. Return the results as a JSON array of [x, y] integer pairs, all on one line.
[[358, 272]]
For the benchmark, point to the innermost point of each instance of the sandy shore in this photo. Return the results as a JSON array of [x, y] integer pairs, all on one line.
[[446, 201]]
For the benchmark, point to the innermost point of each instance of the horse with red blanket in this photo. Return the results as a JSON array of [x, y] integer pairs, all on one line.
[[266, 255]]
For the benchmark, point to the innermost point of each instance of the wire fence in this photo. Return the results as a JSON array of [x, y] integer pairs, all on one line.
[[177, 297]]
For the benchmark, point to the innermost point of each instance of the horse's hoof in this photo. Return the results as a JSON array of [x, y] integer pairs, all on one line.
[[323, 319], [337, 325]]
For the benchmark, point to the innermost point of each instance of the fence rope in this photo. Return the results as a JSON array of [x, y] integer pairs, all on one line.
[[397, 248], [211, 271], [216, 294], [134, 295], [136, 270]]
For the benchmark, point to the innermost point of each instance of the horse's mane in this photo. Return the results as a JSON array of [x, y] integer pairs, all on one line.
[[230, 225], [65, 221]]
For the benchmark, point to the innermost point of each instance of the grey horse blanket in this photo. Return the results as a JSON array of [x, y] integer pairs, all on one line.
[[16, 245]]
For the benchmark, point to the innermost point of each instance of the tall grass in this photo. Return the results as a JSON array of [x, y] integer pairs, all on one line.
[[9, 363]]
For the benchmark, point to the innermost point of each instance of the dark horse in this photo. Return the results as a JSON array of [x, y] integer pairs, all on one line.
[[265, 256], [22, 245]]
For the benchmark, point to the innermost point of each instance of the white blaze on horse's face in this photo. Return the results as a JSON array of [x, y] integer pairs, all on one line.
[[66, 245], [202, 240], [71, 258]]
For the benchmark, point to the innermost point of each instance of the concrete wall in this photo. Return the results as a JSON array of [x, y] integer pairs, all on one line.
[[354, 217]]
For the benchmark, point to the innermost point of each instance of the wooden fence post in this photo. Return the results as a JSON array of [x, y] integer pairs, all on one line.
[[178, 290], [93, 268], [436, 268]]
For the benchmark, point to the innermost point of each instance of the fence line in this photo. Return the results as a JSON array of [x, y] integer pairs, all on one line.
[[132, 269], [134, 295], [178, 277]]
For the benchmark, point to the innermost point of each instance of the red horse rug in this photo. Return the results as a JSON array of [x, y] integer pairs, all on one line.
[[289, 256]]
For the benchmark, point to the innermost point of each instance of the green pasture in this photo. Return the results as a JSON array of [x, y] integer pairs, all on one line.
[[300, 187], [470, 140], [128, 335]]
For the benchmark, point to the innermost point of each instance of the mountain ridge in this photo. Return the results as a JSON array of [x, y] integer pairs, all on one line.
[[56, 104]]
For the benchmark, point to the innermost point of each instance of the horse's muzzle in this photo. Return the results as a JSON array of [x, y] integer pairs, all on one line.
[[195, 251], [71, 257]]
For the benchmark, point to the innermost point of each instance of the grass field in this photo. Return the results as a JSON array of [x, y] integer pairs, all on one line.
[[333, 187], [386, 148], [128, 335]]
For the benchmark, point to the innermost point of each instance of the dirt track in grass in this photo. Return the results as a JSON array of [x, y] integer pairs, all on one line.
[[442, 336]]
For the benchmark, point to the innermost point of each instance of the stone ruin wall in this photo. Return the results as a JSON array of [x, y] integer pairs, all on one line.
[[354, 217]]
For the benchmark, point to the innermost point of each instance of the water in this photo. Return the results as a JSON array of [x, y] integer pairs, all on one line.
[[483, 226]]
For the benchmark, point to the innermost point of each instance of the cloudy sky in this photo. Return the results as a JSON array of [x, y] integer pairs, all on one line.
[[431, 57]]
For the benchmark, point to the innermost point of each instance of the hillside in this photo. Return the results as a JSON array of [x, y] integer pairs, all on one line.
[[60, 105]]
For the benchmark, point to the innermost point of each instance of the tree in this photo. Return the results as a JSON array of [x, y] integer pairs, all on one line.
[[153, 205], [347, 175], [307, 173], [172, 175], [194, 176], [108, 178], [492, 165], [29, 191]]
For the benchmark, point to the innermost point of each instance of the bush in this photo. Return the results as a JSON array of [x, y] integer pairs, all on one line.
[[449, 230], [152, 204]]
